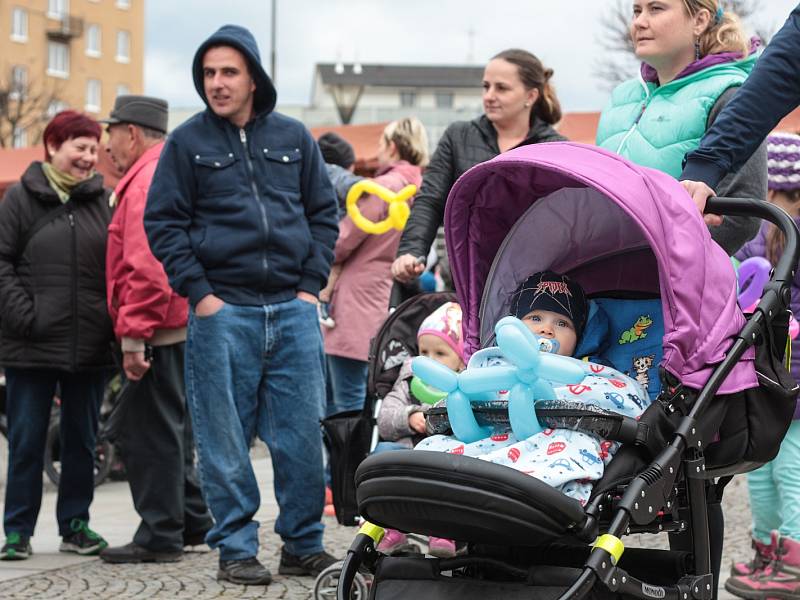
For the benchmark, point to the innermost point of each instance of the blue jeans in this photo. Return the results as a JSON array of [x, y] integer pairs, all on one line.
[[347, 384], [29, 402], [258, 369], [775, 491]]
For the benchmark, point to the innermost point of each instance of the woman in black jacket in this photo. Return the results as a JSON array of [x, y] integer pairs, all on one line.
[[55, 329], [520, 107]]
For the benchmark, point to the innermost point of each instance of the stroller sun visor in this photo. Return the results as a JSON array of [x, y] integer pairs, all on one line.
[[611, 225]]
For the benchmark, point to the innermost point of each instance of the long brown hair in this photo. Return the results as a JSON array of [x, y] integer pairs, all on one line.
[[775, 238], [533, 74]]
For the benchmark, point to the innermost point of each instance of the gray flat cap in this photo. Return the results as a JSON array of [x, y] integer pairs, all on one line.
[[139, 110]]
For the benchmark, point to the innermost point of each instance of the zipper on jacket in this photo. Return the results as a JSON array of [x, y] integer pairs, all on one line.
[[646, 101], [74, 289], [257, 198]]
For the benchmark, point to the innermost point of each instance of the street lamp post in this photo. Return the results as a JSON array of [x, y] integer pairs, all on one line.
[[272, 41]]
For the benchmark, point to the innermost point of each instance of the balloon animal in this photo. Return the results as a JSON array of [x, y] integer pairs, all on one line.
[[528, 372]]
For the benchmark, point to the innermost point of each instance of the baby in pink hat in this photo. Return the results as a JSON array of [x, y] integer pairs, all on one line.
[[401, 418]]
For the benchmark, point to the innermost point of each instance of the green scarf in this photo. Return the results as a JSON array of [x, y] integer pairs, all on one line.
[[62, 183]]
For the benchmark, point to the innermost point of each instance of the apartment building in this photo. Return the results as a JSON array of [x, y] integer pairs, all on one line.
[[57, 54]]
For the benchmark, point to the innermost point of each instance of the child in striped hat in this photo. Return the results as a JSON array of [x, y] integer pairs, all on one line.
[[775, 487]]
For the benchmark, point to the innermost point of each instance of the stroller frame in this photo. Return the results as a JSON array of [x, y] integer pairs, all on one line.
[[654, 489]]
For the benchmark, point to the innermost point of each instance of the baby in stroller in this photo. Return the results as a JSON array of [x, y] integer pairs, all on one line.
[[720, 397], [554, 307], [401, 418]]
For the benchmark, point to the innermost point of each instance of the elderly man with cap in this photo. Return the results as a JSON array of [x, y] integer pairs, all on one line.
[[150, 322]]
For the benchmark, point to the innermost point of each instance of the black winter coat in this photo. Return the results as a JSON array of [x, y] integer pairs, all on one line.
[[463, 145], [52, 280]]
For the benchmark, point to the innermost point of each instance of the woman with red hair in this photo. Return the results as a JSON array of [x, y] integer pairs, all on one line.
[[55, 330]]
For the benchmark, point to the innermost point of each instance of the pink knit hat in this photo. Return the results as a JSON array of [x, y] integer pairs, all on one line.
[[445, 322]]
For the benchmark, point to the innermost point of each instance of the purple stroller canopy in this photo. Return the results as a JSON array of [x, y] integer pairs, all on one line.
[[611, 225]]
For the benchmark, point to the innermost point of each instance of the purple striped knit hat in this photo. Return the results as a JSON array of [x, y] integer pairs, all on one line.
[[783, 161]]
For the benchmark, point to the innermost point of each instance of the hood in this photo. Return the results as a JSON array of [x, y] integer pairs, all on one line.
[[241, 39], [35, 182]]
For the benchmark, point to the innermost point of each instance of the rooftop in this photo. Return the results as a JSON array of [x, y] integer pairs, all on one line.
[[401, 75]]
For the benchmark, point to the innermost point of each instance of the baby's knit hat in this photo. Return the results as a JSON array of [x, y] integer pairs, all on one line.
[[556, 293], [783, 161], [445, 323]]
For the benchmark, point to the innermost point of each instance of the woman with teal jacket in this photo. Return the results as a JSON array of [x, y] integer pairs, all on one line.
[[694, 58]]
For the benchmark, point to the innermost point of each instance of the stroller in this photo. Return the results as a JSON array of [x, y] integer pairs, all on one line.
[[723, 398], [351, 436]]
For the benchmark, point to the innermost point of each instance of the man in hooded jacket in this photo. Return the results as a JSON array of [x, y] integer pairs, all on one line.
[[243, 217]]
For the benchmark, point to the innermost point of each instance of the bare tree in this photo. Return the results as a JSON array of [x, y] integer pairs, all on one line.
[[619, 62], [25, 106]]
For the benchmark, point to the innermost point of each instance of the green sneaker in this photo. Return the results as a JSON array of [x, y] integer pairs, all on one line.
[[17, 547], [82, 540]]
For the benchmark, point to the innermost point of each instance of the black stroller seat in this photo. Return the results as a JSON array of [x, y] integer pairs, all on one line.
[[460, 497]]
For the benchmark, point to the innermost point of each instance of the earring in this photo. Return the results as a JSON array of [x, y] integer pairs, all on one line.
[[697, 49], [527, 104]]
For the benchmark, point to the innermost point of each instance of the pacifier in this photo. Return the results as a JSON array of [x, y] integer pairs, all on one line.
[[550, 345]]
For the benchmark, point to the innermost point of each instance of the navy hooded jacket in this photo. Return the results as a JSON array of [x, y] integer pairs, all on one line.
[[771, 92], [246, 214]]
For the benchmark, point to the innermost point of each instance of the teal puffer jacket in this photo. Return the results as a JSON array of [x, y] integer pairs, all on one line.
[[655, 126]]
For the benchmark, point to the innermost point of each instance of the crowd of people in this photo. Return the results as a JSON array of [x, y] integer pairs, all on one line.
[[203, 269]]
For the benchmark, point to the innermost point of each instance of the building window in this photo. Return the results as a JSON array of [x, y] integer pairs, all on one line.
[[444, 99], [93, 92], [123, 46], [20, 137], [123, 90], [19, 25], [57, 59], [93, 40], [57, 9], [408, 99], [55, 107], [124, 4], [19, 82]]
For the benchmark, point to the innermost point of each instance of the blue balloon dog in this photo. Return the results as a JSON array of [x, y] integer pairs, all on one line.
[[528, 372]]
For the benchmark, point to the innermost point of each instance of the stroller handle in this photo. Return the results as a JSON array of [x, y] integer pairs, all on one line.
[[748, 207]]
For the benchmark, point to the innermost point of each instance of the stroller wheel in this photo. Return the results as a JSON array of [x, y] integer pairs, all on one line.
[[325, 585]]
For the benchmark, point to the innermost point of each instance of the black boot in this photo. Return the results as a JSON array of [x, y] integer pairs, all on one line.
[[247, 571]]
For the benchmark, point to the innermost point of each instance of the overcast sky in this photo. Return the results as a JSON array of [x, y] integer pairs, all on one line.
[[564, 34]]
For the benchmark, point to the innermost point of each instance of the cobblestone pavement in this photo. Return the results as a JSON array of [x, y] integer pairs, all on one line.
[[195, 576]]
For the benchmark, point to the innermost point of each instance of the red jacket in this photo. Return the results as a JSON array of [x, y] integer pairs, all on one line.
[[140, 300]]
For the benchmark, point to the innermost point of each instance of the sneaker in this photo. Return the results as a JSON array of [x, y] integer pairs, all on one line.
[[82, 540], [134, 553], [394, 542], [441, 547], [310, 564], [764, 553], [247, 571], [17, 547]]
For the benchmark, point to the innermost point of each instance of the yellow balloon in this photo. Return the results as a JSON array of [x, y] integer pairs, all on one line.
[[397, 201]]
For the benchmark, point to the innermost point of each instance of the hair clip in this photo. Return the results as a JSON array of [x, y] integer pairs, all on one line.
[[719, 15]]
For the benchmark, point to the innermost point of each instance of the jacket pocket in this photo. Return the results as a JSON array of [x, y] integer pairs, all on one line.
[[215, 175], [283, 167]]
